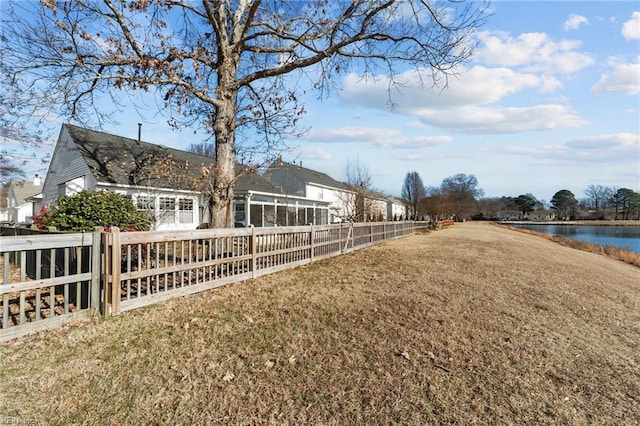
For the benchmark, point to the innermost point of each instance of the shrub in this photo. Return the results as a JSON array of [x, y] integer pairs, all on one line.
[[88, 209]]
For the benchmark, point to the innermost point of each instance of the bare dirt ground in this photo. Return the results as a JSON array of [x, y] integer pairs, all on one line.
[[474, 324]]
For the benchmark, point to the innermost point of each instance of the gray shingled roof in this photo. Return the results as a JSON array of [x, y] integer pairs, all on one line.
[[24, 190], [308, 175], [119, 160]]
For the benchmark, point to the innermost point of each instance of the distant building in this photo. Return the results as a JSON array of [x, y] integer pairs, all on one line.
[[23, 200], [295, 180]]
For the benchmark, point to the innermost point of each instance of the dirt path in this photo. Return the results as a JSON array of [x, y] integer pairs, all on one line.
[[474, 324]]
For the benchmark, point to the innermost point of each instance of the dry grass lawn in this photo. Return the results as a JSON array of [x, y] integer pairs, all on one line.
[[475, 324]]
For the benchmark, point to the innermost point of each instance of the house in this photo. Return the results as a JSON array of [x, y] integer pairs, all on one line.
[[374, 206], [396, 208], [346, 203], [297, 181], [23, 200], [166, 183], [4, 210]]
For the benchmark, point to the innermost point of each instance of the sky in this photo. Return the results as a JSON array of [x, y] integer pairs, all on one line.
[[550, 101]]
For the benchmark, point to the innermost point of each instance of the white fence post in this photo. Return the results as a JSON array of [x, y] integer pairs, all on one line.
[[253, 249], [311, 241]]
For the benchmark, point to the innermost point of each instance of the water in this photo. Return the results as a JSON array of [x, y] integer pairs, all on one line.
[[625, 237]]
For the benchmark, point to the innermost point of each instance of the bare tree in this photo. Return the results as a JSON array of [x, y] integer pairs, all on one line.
[[217, 65], [491, 207], [413, 192], [9, 168], [598, 195], [203, 148], [464, 191], [358, 181], [438, 204]]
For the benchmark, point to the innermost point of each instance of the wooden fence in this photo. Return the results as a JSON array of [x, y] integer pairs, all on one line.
[[51, 279], [47, 280]]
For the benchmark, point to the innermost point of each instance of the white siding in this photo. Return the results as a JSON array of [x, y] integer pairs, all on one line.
[[69, 173], [341, 203], [397, 210], [23, 213], [67, 165]]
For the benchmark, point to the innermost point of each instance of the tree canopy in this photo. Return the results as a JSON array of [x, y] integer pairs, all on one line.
[[413, 193], [525, 203], [564, 202], [221, 66], [463, 190]]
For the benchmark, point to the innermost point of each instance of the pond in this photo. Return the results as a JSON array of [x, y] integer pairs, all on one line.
[[625, 237]]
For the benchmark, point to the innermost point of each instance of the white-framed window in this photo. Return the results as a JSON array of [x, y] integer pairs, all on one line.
[[185, 206], [167, 210], [144, 202]]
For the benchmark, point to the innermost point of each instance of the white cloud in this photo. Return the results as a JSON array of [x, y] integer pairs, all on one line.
[[624, 78], [631, 28], [617, 141], [534, 52], [472, 119], [596, 149], [415, 142], [478, 85], [352, 134], [315, 153], [574, 22], [464, 105], [380, 137]]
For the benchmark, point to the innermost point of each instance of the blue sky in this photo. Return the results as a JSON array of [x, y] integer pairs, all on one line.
[[550, 101]]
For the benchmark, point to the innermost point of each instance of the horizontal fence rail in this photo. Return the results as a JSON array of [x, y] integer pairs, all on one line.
[[51, 279], [148, 267], [47, 280]]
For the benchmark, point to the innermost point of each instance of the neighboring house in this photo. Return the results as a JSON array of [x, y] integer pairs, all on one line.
[[4, 210], [23, 200], [396, 209], [166, 183], [375, 206], [536, 215], [541, 215], [297, 181]]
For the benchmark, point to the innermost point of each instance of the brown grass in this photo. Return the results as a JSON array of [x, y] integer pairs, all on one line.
[[614, 252], [474, 324]]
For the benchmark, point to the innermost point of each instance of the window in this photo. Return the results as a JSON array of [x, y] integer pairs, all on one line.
[[167, 210], [309, 218], [256, 215], [269, 215], [144, 202], [185, 206], [240, 215]]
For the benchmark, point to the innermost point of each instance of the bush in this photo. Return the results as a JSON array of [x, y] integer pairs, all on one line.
[[88, 209]]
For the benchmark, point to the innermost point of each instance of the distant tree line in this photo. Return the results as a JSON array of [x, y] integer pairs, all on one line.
[[460, 197], [456, 197]]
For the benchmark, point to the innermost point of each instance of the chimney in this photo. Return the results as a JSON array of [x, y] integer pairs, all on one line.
[[36, 180], [139, 132]]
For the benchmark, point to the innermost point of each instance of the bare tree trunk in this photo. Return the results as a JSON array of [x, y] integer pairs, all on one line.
[[224, 125]]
